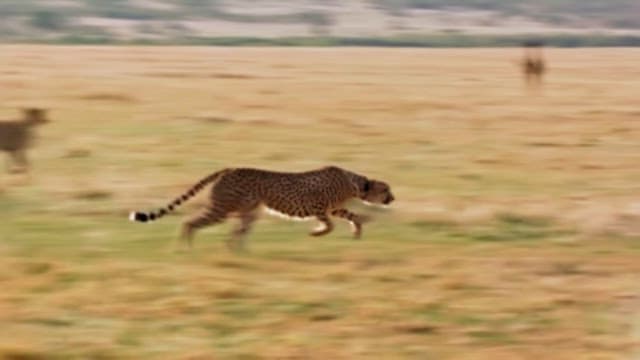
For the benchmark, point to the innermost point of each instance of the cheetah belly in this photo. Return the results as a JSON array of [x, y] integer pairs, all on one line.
[[279, 214]]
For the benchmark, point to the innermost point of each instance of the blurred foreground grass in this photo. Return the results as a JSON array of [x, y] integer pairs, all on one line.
[[515, 233]]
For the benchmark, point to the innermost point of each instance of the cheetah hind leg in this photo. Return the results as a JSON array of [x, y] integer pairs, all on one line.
[[236, 242], [18, 163], [325, 227], [209, 216], [20, 157]]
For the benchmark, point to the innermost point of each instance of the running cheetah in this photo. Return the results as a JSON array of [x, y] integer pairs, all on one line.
[[318, 193]]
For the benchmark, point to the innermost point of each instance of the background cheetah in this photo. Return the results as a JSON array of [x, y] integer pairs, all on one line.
[[17, 135]]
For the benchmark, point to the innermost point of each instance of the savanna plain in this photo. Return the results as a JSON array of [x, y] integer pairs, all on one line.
[[514, 234]]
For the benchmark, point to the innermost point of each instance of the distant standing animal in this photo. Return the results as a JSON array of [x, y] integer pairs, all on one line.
[[533, 64], [17, 135], [533, 70], [241, 192]]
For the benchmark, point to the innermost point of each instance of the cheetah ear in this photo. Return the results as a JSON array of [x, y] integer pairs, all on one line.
[[29, 110], [367, 186]]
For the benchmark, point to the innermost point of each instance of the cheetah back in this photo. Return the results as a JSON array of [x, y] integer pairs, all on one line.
[[294, 194]]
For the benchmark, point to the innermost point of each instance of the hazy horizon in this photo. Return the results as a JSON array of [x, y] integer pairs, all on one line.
[[169, 22]]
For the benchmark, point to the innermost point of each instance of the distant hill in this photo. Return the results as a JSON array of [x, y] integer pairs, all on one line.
[[194, 21]]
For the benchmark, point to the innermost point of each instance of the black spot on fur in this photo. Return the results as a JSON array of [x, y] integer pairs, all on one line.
[[170, 207], [152, 216], [141, 217]]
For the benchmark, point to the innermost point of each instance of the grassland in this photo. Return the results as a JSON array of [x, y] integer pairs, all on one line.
[[514, 235]]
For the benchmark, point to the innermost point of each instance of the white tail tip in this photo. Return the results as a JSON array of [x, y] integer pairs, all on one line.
[[132, 216]]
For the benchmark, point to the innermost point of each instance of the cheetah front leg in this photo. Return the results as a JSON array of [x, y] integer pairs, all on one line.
[[325, 227], [355, 220]]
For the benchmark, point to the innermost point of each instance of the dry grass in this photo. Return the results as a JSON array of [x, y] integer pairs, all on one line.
[[514, 234]]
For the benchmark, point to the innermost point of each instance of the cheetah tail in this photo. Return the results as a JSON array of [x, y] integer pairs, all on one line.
[[154, 215]]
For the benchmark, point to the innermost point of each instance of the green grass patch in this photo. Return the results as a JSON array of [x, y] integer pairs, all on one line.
[[515, 227]]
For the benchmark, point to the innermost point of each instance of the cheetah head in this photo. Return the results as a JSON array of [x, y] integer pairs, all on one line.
[[376, 192], [35, 116]]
